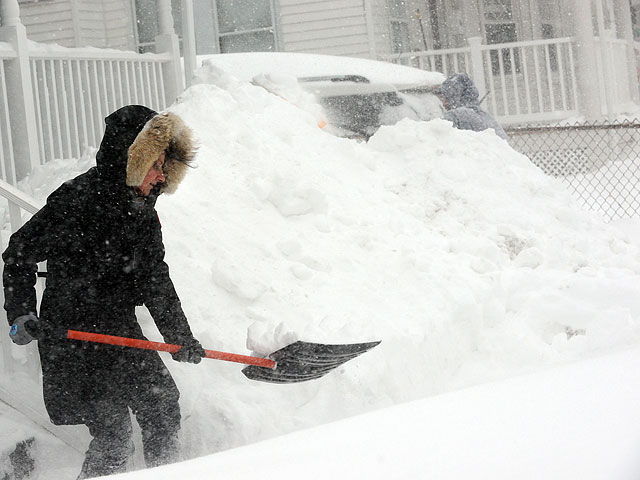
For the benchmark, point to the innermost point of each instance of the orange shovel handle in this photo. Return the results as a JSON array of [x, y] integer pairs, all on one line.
[[166, 347]]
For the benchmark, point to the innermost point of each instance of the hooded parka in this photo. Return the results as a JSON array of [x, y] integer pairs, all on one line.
[[464, 109], [105, 256]]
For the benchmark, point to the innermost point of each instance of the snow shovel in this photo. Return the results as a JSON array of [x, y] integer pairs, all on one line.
[[297, 362]]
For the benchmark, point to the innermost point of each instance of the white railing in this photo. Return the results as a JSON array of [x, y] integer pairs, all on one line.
[[54, 99], [531, 81], [75, 89], [523, 81], [447, 61], [7, 159]]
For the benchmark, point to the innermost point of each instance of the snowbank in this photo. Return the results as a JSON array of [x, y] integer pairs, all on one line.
[[574, 422]]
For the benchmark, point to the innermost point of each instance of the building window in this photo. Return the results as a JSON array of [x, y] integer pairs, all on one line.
[[221, 26], [245, 26], [398, 25]]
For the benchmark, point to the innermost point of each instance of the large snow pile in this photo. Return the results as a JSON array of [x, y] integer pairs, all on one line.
[[453, 249]]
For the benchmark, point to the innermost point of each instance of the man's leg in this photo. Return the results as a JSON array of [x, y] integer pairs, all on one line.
[[111, 446], [160, 428], [157, 411]]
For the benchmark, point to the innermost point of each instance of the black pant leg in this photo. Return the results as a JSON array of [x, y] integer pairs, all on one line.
[[112, 446], [157, 410]]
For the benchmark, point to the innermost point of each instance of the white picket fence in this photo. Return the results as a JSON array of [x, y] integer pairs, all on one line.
[[531, 81], [7, 158], [53, 100], [75, 90]]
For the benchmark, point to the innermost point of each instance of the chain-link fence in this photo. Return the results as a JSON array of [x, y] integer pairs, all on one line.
[[599, 162]]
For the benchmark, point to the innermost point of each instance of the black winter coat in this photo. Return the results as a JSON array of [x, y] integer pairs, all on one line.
[[105, 255]]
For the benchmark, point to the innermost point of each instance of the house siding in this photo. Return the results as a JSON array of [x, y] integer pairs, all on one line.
[[79, 23], [49, 22], [105, 23], [334, 27], [381, 26]]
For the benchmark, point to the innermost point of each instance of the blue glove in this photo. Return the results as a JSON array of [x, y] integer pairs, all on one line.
[[25, 328], [191, 351]]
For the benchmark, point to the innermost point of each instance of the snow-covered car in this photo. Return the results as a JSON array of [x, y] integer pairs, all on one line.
[[357, 95]]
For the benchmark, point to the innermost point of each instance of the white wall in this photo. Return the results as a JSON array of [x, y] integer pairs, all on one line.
[[79, 23], [105, 23], [335, 27], [381, 27], [49, 22]]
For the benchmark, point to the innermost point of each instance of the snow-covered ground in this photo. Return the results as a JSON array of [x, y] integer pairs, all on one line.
[[466, 261], [578, 421]]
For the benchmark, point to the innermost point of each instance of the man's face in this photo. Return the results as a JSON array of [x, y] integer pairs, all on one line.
[[154, 176], [445, 102]]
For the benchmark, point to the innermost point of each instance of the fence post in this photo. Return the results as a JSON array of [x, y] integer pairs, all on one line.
[[167, 42], [20, 103], [477, 65]]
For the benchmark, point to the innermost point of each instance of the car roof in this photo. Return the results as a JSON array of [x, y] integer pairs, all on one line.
[[327, 75]]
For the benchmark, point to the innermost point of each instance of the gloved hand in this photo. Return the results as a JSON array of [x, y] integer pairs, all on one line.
[[24, 329], [191, 352]]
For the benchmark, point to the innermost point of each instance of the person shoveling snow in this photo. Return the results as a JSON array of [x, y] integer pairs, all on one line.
[[101, 237]]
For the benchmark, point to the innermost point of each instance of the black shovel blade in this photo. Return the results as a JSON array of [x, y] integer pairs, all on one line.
[[302, 361]]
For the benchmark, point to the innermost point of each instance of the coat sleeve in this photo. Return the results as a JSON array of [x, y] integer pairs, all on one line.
[[32, 244], [160, 296]]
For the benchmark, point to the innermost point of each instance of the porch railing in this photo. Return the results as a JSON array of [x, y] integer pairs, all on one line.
[[74, 90], [533, 81], [53, 100], [7, 158], [523, 81]]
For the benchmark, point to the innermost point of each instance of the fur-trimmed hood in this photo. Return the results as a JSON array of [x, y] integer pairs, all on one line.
[[134, 137], [165, 132]]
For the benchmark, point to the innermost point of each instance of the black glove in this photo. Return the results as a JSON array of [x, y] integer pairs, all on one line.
[[191, 351], [24, 329]]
